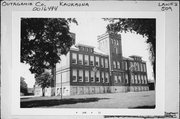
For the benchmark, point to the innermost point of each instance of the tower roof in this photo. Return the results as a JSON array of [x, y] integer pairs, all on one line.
[[84, 45]]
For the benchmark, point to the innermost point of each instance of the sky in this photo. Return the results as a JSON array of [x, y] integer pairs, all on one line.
[[87, 31]]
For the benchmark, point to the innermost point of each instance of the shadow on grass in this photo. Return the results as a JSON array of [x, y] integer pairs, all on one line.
[[56, 102], [144, 107]]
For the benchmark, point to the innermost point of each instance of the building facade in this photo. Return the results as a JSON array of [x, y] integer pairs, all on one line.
[[89, 70]]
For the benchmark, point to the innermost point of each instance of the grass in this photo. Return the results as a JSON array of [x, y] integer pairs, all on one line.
[[131, 100], [55, 102]]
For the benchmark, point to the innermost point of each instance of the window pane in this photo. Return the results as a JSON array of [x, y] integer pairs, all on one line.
[[106, 63], [107, 78], [135, 79], [139, 78], [141, 67], [74, 58], [142, 79], [92, 76], [144, 67], [74, 75], [80, 75], [102, 77], [115, 79], [97, 76], [86, 58], [126, 76], [80, 61], [97, 61], [145, 79], [118, 65], [86, 76], [102, 62], [91, 60], [126, 66], [114, 64]]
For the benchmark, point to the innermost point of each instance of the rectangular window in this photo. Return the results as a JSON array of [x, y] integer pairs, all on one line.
[[92, 76], [144, 67], [118, 65], [122, 63], [74, 75], [126, 65], [102, 62], [102, 77], [131, 68], [139, 78], [115, 79], [135, 79], [114, 64], [80, 79], [91, 50], [119, 78], [141, 67], [86, 76], [97, 77], [74, 58], [106, 63], [80, 61], [132, 78], [107, 78], [91, 60], [145, 79], [136, 63], [97, 61], [126, 76], [142, 79], [87, 49], [137, 68], [86, 60]]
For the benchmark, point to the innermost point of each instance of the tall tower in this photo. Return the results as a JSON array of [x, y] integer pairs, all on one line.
[[110, 43]]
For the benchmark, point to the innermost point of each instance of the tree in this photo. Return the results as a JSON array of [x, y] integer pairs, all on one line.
[[23, 86], [144, 27], [44, 80], [43, 40]]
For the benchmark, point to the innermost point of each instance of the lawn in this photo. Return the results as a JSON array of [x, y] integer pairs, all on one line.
[[110, 100]]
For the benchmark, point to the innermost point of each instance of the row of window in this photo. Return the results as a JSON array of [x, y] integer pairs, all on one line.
[[118, 79], [117, 65], [90, 76], [138, 79], [86, 49], [89, 60], [137, 58], [115, 42], [135, 66]]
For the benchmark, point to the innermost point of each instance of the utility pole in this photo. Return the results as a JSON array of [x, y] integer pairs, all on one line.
[[61, 84]]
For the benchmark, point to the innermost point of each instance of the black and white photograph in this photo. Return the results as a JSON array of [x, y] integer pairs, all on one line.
[[89, 59], [88, 63]]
